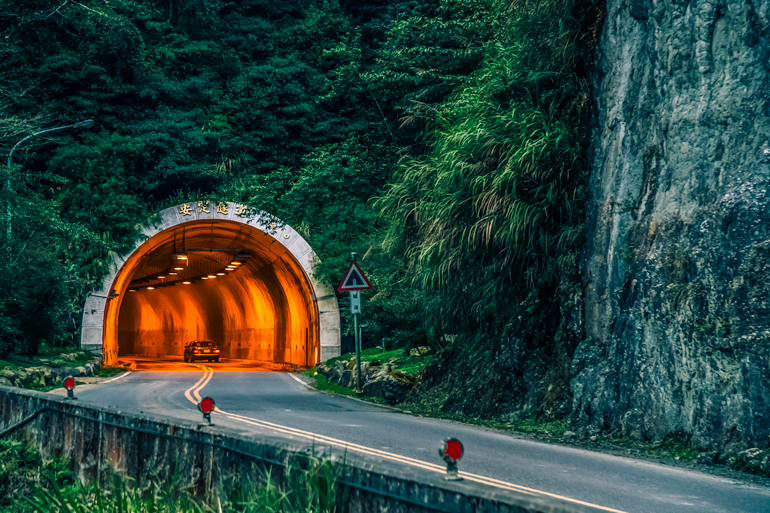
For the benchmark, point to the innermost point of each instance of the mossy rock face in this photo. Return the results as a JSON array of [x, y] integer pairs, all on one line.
[[753, 461], [351, 364], [402, 377]]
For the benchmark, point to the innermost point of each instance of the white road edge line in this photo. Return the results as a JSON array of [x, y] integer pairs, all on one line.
[[300, 381], [115, 379]]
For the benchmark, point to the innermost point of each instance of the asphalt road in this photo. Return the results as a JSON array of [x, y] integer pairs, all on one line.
[[258, 401]]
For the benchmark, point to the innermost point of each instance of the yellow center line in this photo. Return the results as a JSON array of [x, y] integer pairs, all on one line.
[[208, 373], [195, 386]]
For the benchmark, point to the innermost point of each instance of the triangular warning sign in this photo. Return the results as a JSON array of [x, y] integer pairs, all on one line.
[[354, 279]]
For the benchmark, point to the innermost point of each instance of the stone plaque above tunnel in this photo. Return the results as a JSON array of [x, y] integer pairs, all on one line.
[[215, 271]]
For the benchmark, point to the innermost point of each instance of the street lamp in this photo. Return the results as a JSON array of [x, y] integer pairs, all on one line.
[[86, 123]]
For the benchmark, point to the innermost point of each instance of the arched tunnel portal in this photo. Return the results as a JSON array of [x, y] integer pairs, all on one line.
[[242, 281]]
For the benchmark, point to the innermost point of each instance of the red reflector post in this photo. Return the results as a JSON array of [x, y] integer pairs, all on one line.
[[450, 451], [454, 449], [69, 384], [206, 406]]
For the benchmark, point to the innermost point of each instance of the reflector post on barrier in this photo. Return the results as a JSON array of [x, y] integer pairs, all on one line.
[[206, 406], [69, 384], [451, 451]]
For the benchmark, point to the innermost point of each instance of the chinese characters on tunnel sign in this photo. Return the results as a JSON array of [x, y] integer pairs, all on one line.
[[354, 279], [203, 206]]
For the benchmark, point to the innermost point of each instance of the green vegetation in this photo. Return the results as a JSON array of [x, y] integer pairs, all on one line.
[[398, 358], [439, 140], [627, 254], [8, 365], [670, 447], [50, 358], [491, 212], [28, 485], [324, 385], [108, 372], [20, 473], [532, 425], [47, 388]]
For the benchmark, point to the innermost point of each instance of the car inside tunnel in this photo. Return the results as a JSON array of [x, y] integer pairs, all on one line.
[[214, 280]]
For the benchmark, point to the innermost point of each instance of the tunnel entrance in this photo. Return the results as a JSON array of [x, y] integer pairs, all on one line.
[[244, 282]]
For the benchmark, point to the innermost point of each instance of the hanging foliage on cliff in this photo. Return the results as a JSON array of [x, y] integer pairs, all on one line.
[[491, 214]]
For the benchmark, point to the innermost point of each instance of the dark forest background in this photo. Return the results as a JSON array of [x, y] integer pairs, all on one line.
[[440, 140]]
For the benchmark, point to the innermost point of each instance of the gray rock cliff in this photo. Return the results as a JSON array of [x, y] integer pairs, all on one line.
[[677, 265]]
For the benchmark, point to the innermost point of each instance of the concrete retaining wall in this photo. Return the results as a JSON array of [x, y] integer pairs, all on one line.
[[97, 439]]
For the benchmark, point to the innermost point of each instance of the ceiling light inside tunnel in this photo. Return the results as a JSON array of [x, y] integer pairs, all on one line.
[[204, 278], [172, 274], [161, 277], [150, 288], [132, 290], [179, 268], [179, 256], [187, 282], [220, 274], [212, 277]]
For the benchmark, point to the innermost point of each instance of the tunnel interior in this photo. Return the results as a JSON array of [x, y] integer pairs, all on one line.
[[214, 280]]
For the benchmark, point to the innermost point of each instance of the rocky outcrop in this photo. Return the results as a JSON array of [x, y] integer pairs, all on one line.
[[377, 379], [754, 461], [676, 266], [48, 373]]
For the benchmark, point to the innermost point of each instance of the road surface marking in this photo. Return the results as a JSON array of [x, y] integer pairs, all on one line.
[[300, 381], [208, 373], [115, 379]]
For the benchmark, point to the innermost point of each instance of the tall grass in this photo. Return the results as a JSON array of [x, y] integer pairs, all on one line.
[[307, 484], [304, 491], [493, 210]]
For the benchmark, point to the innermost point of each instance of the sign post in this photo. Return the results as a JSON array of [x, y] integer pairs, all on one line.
[[451, 451], [354, 281], [69, 384], [358, 340], [206, 406]]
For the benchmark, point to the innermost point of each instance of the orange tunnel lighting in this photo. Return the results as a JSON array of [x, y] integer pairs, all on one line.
[[264, 310]]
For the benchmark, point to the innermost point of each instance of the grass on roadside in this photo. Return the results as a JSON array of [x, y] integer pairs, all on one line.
[[15, 362], [399, 358], [29, 485], [324, 385], [108, 372], [46, 388], [669, 447], [4, 364]]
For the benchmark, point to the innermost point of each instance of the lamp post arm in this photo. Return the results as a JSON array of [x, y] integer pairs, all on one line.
[[10, 155], [87, 123]]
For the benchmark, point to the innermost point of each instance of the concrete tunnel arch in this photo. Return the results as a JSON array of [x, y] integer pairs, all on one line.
[[271, 307]]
